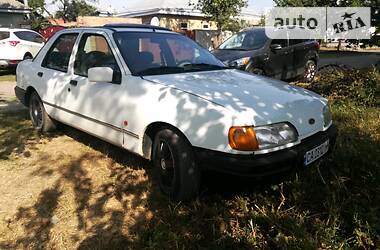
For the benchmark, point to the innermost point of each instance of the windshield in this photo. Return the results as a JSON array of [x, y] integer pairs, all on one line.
[[153, 53], [247, 40]]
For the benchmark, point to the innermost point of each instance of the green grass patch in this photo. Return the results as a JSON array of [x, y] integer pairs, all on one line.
[[7, 78]]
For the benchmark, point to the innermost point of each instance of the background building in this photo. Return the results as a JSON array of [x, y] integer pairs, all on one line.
[[13, 14], [177, 14]]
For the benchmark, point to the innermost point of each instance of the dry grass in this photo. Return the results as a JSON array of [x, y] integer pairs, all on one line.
[[64, 192], [4, 77]]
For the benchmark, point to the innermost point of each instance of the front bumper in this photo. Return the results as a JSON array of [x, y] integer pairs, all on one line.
[[274, 163], [21, 95]]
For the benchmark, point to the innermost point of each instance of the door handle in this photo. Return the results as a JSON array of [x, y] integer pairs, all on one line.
[[40, 74], [74, 82]]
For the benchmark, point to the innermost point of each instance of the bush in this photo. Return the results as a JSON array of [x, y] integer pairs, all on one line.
[[361, 87]]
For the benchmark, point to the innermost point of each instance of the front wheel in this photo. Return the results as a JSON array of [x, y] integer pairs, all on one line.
[[256, 71], [175, 166], [40, 119]]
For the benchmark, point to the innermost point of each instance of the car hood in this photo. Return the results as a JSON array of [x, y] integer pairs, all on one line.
[[226, 55], [255, 100]]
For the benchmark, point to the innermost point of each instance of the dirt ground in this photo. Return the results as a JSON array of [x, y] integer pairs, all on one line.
[[67, 190]]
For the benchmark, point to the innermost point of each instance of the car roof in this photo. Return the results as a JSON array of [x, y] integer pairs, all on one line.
[[13, 29], [120, 27], [134, 26]]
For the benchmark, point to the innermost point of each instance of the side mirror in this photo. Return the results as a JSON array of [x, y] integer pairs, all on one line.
[[276, 47], [100, 74]]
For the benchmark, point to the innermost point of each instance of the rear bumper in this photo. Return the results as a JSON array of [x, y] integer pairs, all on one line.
[[266, 164], [21, 94], [6, 64]]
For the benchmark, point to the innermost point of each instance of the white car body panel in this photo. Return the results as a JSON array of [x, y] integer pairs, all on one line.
[[263, 100], [202, 105]]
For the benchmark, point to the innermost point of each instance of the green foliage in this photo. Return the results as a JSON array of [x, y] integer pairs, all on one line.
[[236, 25], [221, 11], [359, 87], [71, 9], [38, 20], [305, 3]]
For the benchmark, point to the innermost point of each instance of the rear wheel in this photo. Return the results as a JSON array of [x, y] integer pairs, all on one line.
[[40, 119], [175, 167]]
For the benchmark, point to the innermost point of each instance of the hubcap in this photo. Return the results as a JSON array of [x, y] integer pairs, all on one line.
[[166, 161], [36, 112], [310, 71]]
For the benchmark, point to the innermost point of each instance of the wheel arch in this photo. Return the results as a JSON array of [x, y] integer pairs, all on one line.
[[28, 93], [28, 54], [150, 132]]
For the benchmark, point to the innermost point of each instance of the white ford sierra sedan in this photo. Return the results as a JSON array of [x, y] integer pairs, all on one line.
[[160, 95]]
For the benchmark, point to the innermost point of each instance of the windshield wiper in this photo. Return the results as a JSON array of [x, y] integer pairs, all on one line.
[[207, 66], [238, 49], [160, 70]]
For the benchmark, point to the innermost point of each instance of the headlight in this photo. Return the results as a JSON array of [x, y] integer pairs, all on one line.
[[275, 135], [327, 117], [240, 62], [262, 137]]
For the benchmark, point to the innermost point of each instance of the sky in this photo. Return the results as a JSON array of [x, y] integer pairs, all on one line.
[[258, 5]]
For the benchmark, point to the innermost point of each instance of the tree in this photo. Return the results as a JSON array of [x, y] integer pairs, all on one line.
[[305, 3], [71, 9], [221, 11], [37, 17]]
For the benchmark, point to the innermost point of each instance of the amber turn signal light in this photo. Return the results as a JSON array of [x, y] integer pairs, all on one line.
[[243, 138]]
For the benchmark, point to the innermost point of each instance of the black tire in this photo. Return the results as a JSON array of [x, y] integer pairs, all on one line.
[[175, 166], [28, 56], [40, 119], [310, 71]]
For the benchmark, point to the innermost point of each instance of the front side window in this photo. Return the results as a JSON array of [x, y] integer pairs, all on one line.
[[154, 53], [247, 40], [282, 42], [58, 56], [29, 36], [94, 51]]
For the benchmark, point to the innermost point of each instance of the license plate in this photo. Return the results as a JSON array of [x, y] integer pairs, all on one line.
[[316, 153]]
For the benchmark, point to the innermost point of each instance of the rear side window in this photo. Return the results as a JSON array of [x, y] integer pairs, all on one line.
[[4, 35], [58, 56], [29, 36]]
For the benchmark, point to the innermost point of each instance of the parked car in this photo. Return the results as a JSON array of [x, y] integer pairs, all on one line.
[[162, 96], [17, 45], [253, 51]]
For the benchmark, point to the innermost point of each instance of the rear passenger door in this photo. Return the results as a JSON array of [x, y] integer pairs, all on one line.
[[280, 61], [300, 50], [99, 106], [31, 41], [53, 75]]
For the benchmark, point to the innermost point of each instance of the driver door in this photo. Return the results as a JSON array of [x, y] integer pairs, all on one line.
[[99, 106]]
